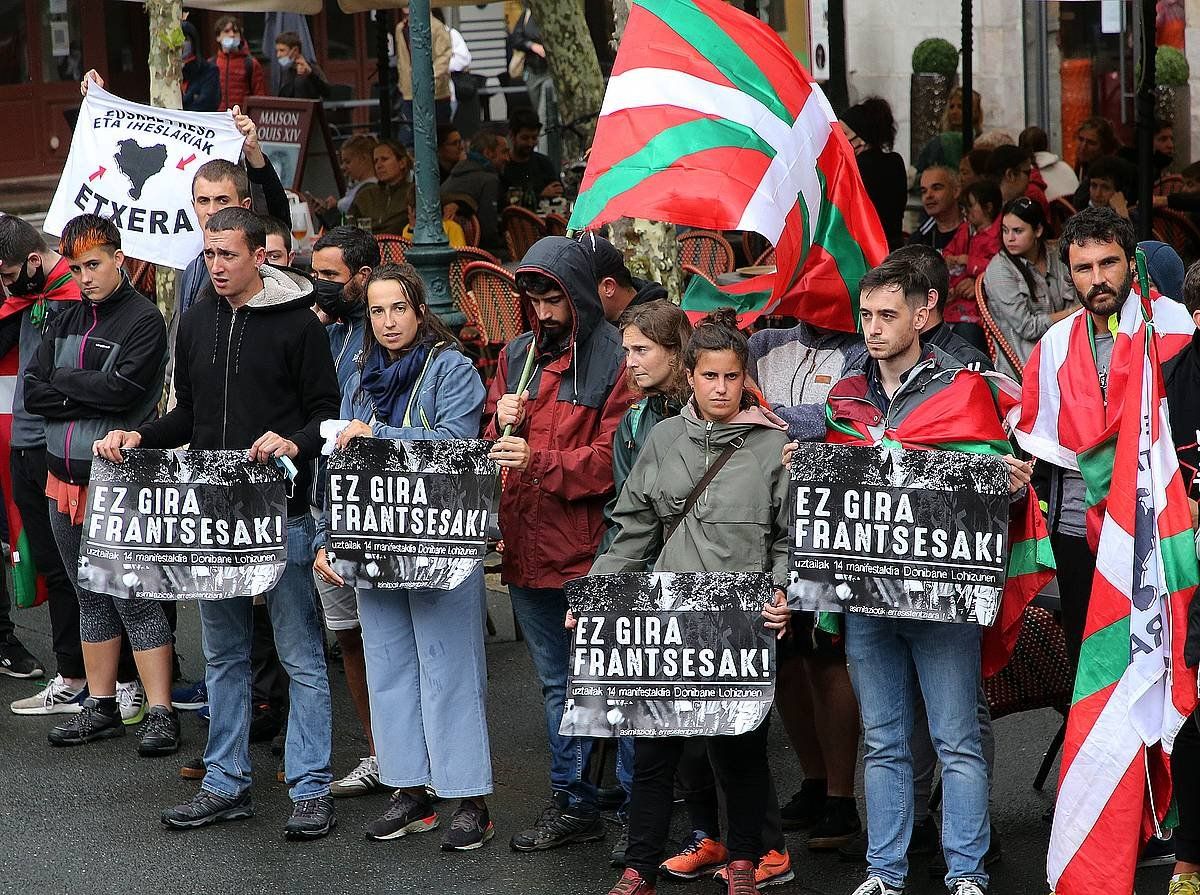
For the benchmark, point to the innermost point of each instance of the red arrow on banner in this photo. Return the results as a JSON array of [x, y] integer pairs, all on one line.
[[184, 162], [99, 172]]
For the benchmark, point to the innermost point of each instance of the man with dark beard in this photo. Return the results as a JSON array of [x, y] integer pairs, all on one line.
[[559, 476], [1065, 392]]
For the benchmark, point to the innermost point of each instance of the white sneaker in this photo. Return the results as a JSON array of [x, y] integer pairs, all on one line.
[[132, 700], [876, 886], [361, 780], [966, 887], [56, 698]]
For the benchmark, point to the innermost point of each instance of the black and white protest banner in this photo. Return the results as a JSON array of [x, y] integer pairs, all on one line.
[[892, 532], [181, 525], [134, 165], [669, 654], [408, 513]]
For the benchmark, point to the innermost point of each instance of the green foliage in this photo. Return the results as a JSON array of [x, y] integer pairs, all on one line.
[[1170, 67], [934, 55]]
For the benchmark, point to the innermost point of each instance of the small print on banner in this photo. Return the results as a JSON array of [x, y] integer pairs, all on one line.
[[183, 525], [897, 533], [669, 654], [408, 514], [134, 165]]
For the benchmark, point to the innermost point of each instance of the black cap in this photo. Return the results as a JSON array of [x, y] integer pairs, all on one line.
[[606, 258]]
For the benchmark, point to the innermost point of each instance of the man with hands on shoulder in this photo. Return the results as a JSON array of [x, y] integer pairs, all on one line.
[[253, 372]]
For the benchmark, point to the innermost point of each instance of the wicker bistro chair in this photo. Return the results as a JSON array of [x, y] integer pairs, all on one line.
[[392, 249], [766, 258], [522, 228], [462, 257], [141, 275], [493, 313], [997, 343], [1177, 230], [707, 251], [470, 226], [556, 224], [754, 245], [1060, 209]]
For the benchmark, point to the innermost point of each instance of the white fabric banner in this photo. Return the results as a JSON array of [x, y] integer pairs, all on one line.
[[134, 165]]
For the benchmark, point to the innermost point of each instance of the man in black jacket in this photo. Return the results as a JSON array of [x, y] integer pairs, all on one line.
[[254, 372], [99, 366]]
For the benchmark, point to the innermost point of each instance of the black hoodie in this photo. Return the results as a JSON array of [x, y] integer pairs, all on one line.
[[263, 367]]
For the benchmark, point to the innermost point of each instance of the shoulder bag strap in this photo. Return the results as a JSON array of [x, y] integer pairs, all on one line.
[[708, 476]]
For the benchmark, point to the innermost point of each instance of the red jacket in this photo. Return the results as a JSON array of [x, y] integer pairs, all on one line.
[[552, 512], [241, 76]]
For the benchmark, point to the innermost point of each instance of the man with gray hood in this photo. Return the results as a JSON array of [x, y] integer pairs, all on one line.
[[559, 462], [254, 372]]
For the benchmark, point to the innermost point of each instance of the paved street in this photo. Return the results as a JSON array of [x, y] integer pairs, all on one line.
[[85, 820]]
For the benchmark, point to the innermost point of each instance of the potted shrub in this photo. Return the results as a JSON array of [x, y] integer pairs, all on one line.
[[1172, 98], [935, 72]]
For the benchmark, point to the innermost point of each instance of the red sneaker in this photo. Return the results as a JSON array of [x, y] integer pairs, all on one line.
[[632, 883], [774, 869], [740, 876]]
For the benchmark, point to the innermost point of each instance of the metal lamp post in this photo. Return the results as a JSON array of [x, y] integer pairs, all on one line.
[[430, 253]]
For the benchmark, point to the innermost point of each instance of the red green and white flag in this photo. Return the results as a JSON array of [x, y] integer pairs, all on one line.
[[1074, 433], [710, 121], [1133, 690]]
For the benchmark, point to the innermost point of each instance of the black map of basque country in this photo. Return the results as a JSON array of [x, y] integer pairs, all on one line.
[[139, 163]]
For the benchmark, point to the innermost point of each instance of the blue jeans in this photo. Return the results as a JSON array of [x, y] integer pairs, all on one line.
[[889, 660], [427, 677], [227, 626], [540, 613]]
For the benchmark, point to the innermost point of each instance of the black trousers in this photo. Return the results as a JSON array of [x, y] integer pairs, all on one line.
[[28, 469], [740, 765], [696, 785], [1185, 769], [1076, 568]]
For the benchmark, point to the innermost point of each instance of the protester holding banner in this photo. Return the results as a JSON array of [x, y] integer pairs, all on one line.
[[101, 365], [253, 371], [413, 383], [39, 286], [342, 260], [674, 516], [559, 460], [654, 335], [903, 384], [795, 369]]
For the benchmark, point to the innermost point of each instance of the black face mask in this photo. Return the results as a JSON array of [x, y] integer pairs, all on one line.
[[331, 298], [29, 285]]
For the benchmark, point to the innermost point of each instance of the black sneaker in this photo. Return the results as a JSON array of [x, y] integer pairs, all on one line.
[[469, 829], [264, 723], [937, 860], [617, 858], [406, 814], [559, 826], [16, 661], [838, 827], [208, 808], [92, 723], [925, 841], [610, 798], [806, 808], [159, 732], [311, 819]]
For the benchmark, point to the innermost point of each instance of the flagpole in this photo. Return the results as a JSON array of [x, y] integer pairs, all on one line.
[[1144, 109]]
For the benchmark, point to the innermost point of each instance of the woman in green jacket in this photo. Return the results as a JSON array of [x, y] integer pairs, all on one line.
[[739, 524]]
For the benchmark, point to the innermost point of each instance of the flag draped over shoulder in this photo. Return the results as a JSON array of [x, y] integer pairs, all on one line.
[[1133, 690], [710, 121], [29, 588], [1072, 433], [968, 416]]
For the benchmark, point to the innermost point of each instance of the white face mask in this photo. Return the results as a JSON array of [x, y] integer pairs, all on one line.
[[229, 44], [284, 61]]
